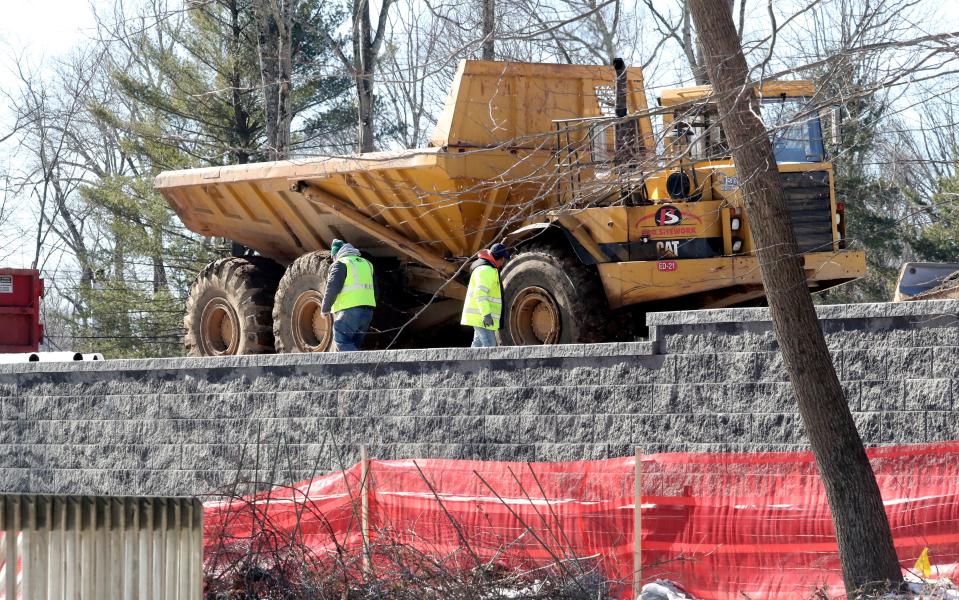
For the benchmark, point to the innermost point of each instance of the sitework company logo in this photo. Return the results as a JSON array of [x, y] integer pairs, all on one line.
[[668, 215]]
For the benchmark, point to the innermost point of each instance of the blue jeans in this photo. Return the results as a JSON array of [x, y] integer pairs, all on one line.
[[483, 338], [349, 328]]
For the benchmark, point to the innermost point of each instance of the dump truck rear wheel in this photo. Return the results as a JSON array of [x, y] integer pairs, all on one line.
[[551, 298], [298, 323], [229, 308]]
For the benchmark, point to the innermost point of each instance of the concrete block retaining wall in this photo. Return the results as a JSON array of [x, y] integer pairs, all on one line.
[[707, 381]]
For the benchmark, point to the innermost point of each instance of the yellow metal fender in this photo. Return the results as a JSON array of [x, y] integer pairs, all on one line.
[[636, 282]]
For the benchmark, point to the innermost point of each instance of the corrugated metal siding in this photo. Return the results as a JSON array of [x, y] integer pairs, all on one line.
[[95, 547]]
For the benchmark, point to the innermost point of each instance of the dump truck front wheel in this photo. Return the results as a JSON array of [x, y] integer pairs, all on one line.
[[229, 308], [550, 297], [298, 323]]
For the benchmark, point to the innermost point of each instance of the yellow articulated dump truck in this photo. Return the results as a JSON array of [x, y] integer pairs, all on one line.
[[561, 163]]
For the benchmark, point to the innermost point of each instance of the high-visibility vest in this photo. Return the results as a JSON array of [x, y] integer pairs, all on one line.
[[358, 286], [483, 297]]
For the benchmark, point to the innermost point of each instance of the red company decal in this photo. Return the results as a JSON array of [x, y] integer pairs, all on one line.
[[667, 265], [668, 231], [669, 216]]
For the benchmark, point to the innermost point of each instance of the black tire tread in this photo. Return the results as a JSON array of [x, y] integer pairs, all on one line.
[[250, 283], [317, 262], [589, 303]]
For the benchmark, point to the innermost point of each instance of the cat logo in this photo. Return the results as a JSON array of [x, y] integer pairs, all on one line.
[[668, 249], [668, 215]]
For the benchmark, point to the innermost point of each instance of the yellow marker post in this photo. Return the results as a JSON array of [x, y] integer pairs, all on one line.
[[922, 563]]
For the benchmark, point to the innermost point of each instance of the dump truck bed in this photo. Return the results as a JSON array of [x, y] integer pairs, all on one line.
[[490, 166], [258, 205]]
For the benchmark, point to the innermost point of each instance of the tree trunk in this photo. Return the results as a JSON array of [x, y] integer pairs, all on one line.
[[241, 136], [364, 96], [866, 550], [363, 55], [274, 43], [691, 47], [489, 25]]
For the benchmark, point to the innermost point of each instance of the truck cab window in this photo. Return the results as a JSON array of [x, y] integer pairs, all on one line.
[[795, 133], [697, 133]]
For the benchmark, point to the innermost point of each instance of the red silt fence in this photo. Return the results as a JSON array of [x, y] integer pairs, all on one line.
[[721, 525]]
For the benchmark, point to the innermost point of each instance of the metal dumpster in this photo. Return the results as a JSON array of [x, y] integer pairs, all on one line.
[[20, 294]]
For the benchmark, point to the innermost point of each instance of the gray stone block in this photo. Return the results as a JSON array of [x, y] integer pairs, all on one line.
[[466, 430], [575, 429], [782, 428], [14, 480], [908, 363], [673, 399], [941, 426], [353, 402], [945, 363], [946, 334], [314, 403], [614, 429], [510, 401], [11, 432], [928, 394], [869, 425], [570, 452], [512, 429], [183, 406], [852, 391], [13, 408], [688, 428], [510, 452], [731, 428], [881, 395], [454, 401], [903, 427], [48, 408], [11, 456], [431, 429], [770, 367], [863, 364], [559, 400]]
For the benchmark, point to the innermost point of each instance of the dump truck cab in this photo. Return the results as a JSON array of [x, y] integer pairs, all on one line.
[[669, 230]]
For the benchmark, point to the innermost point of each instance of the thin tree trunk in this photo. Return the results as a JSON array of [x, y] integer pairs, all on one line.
[[363, 66], [866, 549], [364, 95], [274, 43], [241, 135], [489, 29], [284, 83]]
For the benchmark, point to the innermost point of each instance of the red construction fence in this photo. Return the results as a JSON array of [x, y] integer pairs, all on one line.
[[721, 525]]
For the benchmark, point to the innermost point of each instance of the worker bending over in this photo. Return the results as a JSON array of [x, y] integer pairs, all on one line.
[[350, 295], [484, 297]]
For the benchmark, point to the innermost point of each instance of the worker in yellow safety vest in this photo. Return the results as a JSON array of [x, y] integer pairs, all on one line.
[[350, 296], [483, 307]]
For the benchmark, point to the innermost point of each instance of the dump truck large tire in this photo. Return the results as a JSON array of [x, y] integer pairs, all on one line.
[[298, 325], [550, 297], [229, 309]]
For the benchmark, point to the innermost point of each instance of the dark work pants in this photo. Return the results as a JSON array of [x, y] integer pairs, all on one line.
[[350, 326]]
